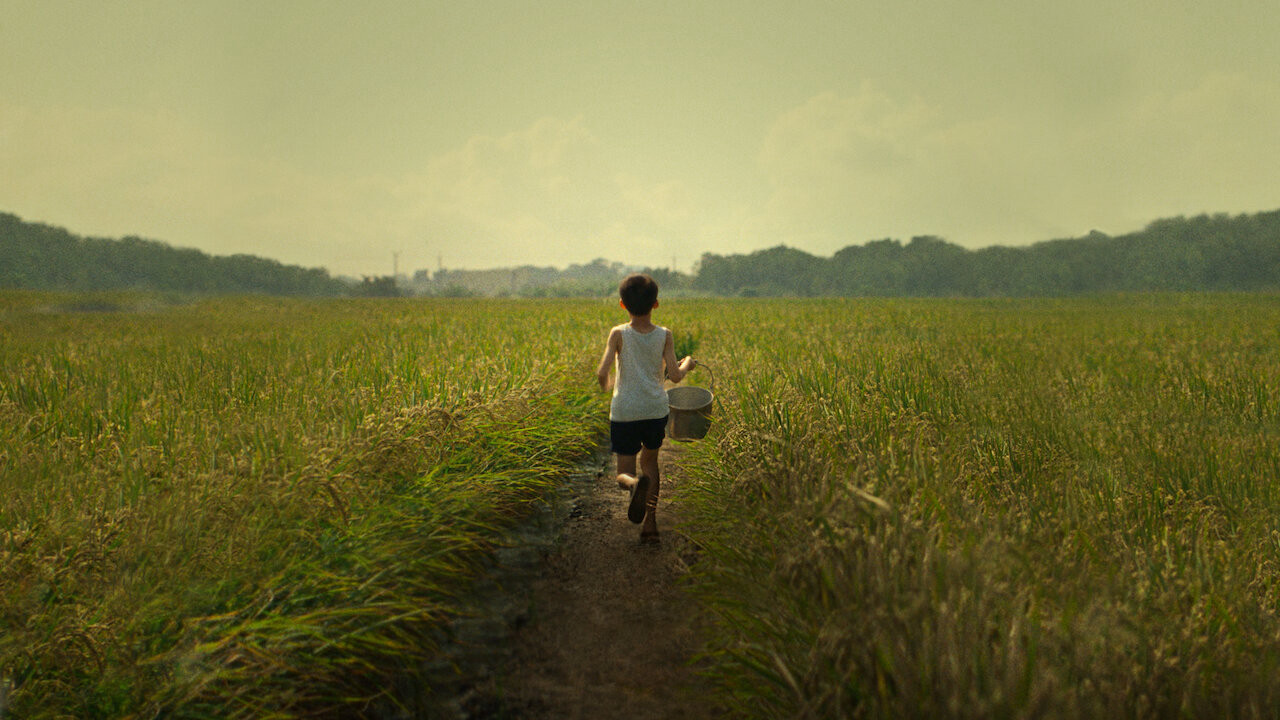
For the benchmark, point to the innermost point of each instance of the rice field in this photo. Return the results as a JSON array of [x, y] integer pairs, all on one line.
[[1049, 508], [253, 507], [905, 508]]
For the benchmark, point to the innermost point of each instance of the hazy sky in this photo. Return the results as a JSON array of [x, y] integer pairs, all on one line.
[[502, 133]]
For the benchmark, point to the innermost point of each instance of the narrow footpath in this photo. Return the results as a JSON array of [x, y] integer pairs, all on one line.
[[609, 634]]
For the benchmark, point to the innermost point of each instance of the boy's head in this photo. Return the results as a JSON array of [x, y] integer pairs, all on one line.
[[639, 293]]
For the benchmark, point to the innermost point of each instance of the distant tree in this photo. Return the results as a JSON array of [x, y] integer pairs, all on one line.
[[1202, 253], [456, 291], [669, 279], [776, 271], [1206, 252], [932, 266], [877, 268], [379, 286], [42, 257]]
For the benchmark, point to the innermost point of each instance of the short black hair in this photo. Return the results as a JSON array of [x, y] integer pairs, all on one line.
[[639, 293]]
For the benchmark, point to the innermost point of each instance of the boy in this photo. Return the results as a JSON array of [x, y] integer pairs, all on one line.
[[638, 411]]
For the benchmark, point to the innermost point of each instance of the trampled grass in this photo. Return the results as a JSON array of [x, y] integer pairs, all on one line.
[[994, 508], [253, 507]]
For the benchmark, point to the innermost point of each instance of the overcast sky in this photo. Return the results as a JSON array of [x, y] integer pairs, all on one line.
[[500, 133]]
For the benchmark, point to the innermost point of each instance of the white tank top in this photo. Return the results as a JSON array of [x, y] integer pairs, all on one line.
[[638, 393]]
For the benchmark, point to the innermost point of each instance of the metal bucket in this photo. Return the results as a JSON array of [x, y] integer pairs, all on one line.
[[690, 416]]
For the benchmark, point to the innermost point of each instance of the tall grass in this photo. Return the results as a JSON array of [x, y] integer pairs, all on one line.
[[1057, 508], [254, 507], [251, 508]]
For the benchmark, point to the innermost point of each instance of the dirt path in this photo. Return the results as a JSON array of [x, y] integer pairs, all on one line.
[[610, 634]]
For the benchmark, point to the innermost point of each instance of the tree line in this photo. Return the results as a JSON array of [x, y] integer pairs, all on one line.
[[41, 257], [1201, 253]]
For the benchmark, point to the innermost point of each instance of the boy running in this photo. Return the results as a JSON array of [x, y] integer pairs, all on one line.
[[638, 411]]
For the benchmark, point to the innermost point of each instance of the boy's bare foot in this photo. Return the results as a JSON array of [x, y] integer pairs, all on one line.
[[627, 482], [649, 531], [650, 535], [639, 498]]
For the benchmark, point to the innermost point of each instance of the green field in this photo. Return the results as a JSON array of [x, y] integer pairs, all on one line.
[[932, 508], [245, 507]]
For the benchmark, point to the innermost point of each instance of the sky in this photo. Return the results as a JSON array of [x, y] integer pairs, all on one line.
[[356, 136]]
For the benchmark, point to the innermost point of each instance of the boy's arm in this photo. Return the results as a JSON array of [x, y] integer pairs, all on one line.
[[611, 347], [676, 370]]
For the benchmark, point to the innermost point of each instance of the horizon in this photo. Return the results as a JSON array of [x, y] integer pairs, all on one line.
[[499, 134], [411, 272]]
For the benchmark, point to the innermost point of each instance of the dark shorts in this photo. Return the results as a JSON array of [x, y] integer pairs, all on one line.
[[625, 438]]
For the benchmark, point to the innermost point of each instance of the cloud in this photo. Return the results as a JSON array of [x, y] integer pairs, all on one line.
[[155, 174], [550, 193], [840, 161], [1209, 147], [846, 169], [849, 169], [835, 169]]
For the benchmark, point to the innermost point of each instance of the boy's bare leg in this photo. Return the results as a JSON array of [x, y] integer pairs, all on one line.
[[626, 471], [649, 466]]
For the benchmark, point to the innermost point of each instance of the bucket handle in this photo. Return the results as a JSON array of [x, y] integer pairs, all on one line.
[[700, 366]]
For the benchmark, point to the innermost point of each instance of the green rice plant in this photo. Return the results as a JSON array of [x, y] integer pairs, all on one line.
[[686, 343], [992, 508], [254, 507]]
